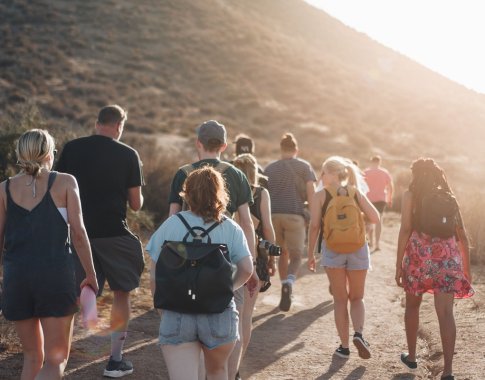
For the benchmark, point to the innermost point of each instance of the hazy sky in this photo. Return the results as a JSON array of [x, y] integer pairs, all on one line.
[[448, 36]]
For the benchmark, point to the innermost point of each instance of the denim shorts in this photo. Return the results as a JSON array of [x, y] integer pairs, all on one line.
[[359, 260], [211, 330]]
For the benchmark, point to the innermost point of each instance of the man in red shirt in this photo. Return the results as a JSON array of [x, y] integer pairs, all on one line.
[[380, 194]]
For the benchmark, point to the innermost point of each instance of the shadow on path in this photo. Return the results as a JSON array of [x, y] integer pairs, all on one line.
[[263, 352]]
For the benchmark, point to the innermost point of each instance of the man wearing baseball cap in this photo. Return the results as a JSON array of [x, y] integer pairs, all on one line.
[[211, 142]]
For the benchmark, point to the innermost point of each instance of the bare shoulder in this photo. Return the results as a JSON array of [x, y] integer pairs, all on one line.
[[67, 180], [320, 195]]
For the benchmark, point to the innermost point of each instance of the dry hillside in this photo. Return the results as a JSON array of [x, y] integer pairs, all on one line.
[[261, 66]]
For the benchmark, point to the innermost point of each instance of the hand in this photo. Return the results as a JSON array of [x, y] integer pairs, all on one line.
[[271, 267], [311, 263], [399, 277], [91, 281], [253, 284]]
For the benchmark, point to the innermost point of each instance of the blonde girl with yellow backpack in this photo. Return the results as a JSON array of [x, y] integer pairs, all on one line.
[[337, 212]]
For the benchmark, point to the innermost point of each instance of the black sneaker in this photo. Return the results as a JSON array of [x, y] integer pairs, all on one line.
[[362, 346], [449, 377], [342, 352], [118, 369], [285, 302], [408, 363]]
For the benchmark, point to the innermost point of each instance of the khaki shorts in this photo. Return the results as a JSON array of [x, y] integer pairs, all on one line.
[[290, 231]]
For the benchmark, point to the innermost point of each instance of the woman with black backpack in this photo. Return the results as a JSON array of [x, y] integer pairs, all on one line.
[[432, 256], [202, 318]]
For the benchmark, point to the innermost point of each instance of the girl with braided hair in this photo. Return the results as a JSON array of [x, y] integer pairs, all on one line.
[[430, 264]]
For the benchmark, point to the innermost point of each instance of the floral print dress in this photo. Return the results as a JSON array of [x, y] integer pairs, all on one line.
[[434, 265]]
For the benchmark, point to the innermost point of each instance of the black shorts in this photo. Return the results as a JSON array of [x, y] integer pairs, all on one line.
[[39, 292], [380, 206], [118, 260]]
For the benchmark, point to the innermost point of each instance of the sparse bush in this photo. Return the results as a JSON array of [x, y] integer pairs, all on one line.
[[159, 167], [472, 206]]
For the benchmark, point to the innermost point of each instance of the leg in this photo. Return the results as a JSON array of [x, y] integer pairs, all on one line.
[[411, 323], [216, 362], [283, 264], [120, 311], [182, 360], [57, 345], [378, 228], [338, 282], [295, 262], [356, 296], [31, 338], [443, 303], [120, 316], [235, 357], [247, 319]]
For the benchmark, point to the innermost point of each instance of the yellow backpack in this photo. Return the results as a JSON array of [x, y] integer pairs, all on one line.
[[343, 222]]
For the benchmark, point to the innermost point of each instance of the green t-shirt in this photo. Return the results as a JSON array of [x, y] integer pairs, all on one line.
[[236, 182]]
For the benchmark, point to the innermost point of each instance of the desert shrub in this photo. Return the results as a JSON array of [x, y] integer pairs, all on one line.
[[12, 125], [159, 167], [472, 206]]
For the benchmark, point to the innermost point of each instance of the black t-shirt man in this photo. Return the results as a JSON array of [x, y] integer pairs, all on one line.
[[105, 169]]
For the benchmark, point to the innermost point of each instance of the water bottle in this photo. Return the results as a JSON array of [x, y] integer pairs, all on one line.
[[88, 307]]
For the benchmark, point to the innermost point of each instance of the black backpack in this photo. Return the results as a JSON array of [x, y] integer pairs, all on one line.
[[438, 214], [193, 277]]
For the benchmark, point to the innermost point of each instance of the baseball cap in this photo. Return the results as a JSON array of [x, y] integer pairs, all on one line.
[[244, 144], [211, 129]]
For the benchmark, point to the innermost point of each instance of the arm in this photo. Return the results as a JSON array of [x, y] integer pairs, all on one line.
[[268, 229], [78, 232], [174, 208], [247, 226], [310, 191], [368, 208], [404, 233], [314, 227], [244, 270], [390, 192], [135, 198]]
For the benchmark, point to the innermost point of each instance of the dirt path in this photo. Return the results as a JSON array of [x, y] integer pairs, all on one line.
[[299, 344]]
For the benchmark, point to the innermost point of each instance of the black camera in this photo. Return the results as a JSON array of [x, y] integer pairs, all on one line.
[[273, 250]]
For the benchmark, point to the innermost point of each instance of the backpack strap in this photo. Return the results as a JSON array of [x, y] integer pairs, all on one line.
[[204, 232], [52, 178], [187, 169], [222, 166], [328, 198]]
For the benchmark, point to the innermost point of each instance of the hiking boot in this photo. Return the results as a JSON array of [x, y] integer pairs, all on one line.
[[118, 369], [408, 363], [344, 353], [362, 346], [285, 302]]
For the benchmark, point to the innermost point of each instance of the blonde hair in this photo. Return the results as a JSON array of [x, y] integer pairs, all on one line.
[[247, 163], [32, 149], [346, 171], [205, 193]]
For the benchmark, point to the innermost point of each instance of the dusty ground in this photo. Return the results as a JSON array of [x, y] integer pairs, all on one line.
[[299, 344]]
